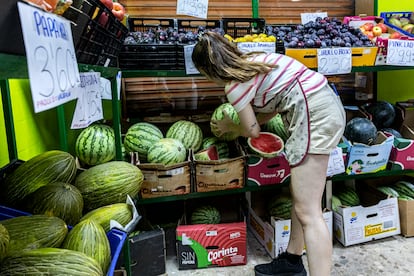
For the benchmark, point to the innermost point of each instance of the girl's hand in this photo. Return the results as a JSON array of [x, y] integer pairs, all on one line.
[[224, 125]]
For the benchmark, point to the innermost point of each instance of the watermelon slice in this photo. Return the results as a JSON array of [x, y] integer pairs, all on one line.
[[209, 153], [267, 144]]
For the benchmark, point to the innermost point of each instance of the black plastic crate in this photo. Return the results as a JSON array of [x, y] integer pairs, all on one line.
[[238, 27], [136, 24], [97, 35], [196, 25]]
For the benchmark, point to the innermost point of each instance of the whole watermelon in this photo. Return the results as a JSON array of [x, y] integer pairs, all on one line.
[[206, 214], [140, 137], [41, 170], [167, 151], [187, 132], [59, 199], [108, 183], [219, 115], [382, 112], [280, 206], [95, 145], [360, 130], [276, 126]]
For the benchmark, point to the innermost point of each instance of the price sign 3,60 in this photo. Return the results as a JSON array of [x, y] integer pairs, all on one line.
[[51, 59]]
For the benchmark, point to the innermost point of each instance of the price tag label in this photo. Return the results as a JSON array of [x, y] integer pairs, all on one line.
[[190, 69], [105, 88], [400, 52], [307, 17], [89, 105], [196, 8], [332, 61], [53, 69], [268, 47]]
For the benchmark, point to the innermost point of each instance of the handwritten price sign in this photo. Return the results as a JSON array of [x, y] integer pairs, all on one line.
[[196, 8], [332, 61], [89, 105], [400, 52], [51, 59]]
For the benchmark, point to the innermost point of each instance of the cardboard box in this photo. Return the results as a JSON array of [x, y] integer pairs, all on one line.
[[406, 209], [282, 231], [402, 154], [362, 158], [361, 56], [358, 224], [382, 43], [212, 245], [272, 233], [144, 253], [267, 171], [160, 180], [407, 128], [224, 174]]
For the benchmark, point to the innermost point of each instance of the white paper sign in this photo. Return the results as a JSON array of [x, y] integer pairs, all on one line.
[[336, 162], [105, 88], [53, 69], [335, 60], [189, 65], [196, 8], [89, 105], [400, 52], [307, 17], [268, 47]]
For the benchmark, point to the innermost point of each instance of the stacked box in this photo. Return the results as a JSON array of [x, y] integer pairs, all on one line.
[[405, 14]]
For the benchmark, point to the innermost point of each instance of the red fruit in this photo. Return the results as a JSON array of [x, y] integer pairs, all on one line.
[[107, 3], [118, 10], [368, 26], [383, 27], [103, 19], [395, 35]]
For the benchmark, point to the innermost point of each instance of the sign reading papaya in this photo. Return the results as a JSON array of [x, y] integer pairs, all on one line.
[[51, 59]]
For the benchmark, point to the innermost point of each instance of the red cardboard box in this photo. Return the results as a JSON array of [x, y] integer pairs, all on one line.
[[402, 154], [267, 171], [211, 245]]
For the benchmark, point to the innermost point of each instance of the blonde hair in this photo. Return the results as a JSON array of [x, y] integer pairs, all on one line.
[[219, 59]]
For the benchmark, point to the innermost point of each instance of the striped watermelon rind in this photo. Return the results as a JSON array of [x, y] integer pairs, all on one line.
[[95, 144], [140, 137], [167, 151], [276, 126], [348, 197], [219, 115], [206, 215], [187, 132], [280, 206]]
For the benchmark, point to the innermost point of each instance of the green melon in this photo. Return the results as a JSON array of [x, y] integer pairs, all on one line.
[[108, 183], [95, 145], [90, 238], [36, 231], [51, 261], [205, 215], [4, 242], [59, 199], [187, 132], [348, 196], [219, 115], [167, 151], [43, 169], [120, 212], [140, 137]]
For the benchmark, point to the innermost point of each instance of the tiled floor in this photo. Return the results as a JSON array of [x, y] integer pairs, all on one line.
[[393, 256]]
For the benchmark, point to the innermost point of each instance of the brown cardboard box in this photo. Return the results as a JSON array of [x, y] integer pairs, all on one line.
[[406, 209]]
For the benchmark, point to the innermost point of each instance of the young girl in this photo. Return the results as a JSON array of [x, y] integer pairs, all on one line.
[[260, 85]]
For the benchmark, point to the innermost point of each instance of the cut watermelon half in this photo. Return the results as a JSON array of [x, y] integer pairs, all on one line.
[[266, 145], [209, 153]]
